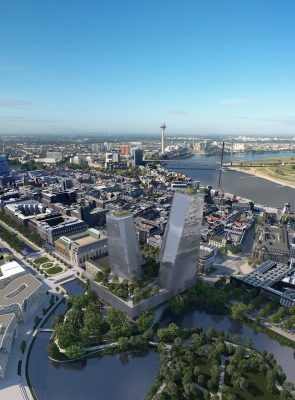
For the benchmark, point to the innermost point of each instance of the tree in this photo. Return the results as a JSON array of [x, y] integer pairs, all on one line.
[[116, 317], [177, 305], [145, 321], [201, 380], [75, 351], [234, 249], [65, 335], [168, 334], [238, 310], [222, 251], [123, 344]]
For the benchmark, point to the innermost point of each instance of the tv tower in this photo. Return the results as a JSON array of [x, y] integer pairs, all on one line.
[[163, 127]]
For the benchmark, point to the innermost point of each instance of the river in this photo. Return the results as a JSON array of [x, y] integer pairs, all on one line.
[[128, 376], [206, 170]]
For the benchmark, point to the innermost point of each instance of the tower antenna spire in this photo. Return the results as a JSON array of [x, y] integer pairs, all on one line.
[[163, 127]]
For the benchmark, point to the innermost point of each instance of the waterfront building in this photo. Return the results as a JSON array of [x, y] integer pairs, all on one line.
[[8, 333], [181, 243], [77, 249], [275, 280], [125, 258], [22, 296]]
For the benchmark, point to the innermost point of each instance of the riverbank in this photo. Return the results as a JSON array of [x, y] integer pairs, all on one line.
[[253, 172]]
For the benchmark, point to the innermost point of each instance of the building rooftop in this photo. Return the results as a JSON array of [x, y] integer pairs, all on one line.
[[10, 269], [19, 290]]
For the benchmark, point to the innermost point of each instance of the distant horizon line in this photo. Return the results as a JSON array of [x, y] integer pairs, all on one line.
[[167, 135]]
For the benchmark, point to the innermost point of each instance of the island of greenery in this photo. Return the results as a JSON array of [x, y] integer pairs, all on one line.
[[193, 364]]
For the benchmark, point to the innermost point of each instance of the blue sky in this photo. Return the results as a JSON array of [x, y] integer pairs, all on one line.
[[123, 66]]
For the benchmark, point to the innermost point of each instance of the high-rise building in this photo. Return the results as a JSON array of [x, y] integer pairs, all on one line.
[[138, 156], [125, 258], [124, 149], [4, 168], [96, 147], [181, 243]]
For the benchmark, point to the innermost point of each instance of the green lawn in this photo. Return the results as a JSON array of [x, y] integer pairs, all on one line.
[[41, 260], [257, 388], [205, 367], [53, 270]]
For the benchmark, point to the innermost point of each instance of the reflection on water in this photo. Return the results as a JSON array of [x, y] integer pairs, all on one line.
[[283, 354], [259, 190], [120, 377], [134, 374]]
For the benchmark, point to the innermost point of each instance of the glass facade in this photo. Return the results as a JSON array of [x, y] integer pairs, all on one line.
[[181, 243], [125, 257]]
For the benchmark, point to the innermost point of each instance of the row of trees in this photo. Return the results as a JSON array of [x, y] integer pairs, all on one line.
[[11, 239], [26, 232]]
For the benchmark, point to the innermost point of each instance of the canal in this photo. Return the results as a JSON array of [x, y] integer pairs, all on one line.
[[128, 376]]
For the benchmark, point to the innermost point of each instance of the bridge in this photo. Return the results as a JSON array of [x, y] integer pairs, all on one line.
[[247, 164]]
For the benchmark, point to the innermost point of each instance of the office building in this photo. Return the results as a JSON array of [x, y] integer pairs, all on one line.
[[22, 296], [53, 227], [8, 333], [66, 184], [138, 156], [125, 258], [4, 168], [181, 243], [124, 149]]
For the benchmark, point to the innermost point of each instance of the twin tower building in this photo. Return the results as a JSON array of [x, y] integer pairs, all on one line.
[[180, 248]]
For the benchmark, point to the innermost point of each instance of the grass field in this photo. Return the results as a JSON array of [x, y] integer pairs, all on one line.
[[54, 270], [41, 260], [282, 169], [50, 267], [257, 388]]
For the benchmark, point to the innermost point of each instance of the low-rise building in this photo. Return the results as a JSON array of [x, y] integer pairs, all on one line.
[[8, 333], [79, 248], [206, 257]]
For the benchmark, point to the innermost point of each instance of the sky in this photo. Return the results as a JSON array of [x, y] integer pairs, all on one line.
[[124, 66]]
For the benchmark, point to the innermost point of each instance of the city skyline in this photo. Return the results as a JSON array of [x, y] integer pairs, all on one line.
[[204, 68]]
